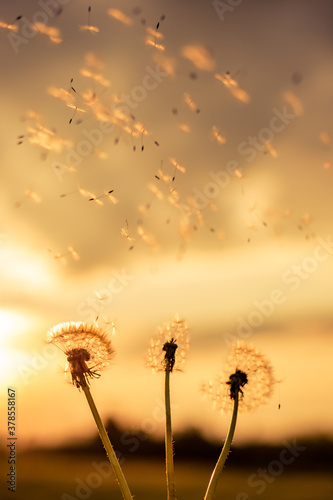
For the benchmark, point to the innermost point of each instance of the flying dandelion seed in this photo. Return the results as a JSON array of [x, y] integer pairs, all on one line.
[[191, 104], [85, 193], [177, 166], [101, 154], [124, 231], [269, 149], [184, 128], [32, 195], [212, 206], [148, 238], [89, 27], [152, 43], [9, 27], [256, 376], [73, 253], [151, 38], [217, 136], [86, 27], [112, 326], [97, 77], [294, 101], [167, 63], [238, 173], [194, 209], [120, 16], [199, 56], [232, 85], [161, 19], [50, 31], [58, 256], [106, 194], [161, 176], [100, 111], [138, 126], [101, 299], [157, 192], [87, 348], [96, 200], [143, 209], [112, 199], [156, 34], [62, 94], [44, 137], [62, 257], [93, 61]]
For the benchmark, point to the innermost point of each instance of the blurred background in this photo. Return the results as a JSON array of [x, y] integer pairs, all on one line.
[[161, 158]]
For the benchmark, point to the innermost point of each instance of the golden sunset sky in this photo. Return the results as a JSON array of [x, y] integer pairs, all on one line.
[[214, 131]]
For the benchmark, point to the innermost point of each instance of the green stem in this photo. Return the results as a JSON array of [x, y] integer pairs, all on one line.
[[224, 453], [170, 473], [108, 446]]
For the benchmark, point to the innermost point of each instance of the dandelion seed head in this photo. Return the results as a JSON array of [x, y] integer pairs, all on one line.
[[87, 348], [246, 370], [168, 346]]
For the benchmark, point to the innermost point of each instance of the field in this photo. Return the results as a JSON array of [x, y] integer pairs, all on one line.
[[68, 477]]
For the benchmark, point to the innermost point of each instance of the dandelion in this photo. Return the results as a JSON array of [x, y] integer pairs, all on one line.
[[176, 332], [88, 352], [87, 349], [245, 383], [163, 355], [246, 359]]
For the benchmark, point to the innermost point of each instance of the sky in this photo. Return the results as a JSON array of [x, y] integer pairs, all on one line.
[[161, 158]]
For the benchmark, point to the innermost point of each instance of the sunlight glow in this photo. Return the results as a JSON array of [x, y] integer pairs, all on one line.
[[10, 325], [10, 362], [20, 268]]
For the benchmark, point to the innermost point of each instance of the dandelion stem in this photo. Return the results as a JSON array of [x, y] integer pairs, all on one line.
[[170, 474], [224, 453], [108, 446]]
